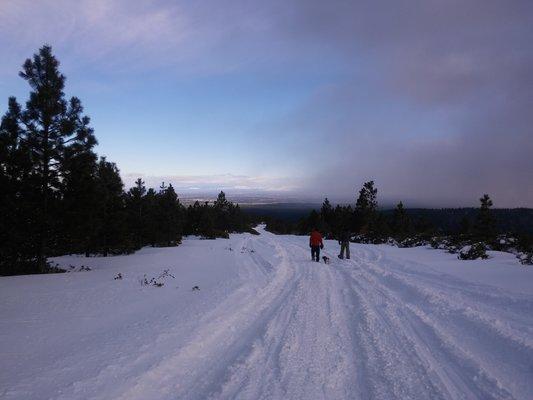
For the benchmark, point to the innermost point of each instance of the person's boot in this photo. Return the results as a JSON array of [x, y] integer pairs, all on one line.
[[341, 257]]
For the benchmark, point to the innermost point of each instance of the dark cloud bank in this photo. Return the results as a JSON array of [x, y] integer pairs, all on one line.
[[437, 104]]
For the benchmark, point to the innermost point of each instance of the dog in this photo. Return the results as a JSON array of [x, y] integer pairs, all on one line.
[[326, 259]]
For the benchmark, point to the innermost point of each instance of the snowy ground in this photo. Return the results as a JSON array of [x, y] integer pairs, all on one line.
[[267, 323]]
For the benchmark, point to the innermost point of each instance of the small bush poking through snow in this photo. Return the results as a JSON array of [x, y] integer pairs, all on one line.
[[525, 258], [156, 281], [473, 252], [414, 241]]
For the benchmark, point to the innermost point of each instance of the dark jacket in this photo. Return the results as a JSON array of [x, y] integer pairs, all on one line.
[[344, 237]]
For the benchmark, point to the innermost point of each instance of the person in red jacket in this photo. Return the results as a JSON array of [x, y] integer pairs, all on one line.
[[315, 242]]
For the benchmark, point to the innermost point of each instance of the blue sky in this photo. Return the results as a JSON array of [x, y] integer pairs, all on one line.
[[304, 98]]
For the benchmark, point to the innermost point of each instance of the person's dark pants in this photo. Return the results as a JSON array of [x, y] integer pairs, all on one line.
[[345, 247], [315, 251]]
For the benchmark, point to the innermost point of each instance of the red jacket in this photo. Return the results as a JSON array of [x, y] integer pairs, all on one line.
[[315, 239]]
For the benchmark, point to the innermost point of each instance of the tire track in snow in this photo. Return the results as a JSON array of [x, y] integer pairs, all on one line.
[[305, 352], [417, 313], [196, 369], [369, 328]]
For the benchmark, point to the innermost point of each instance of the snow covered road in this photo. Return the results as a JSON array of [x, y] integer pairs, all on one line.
[[268, 323]]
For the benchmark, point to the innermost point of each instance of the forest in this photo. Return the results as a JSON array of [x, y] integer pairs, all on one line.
[[59, 197]]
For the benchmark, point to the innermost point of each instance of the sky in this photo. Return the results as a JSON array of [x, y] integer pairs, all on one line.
[[433, 100]]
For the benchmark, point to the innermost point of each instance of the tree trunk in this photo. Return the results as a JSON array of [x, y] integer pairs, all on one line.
[[41, 258]]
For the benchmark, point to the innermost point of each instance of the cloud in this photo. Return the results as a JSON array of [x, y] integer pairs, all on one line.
[[95, 32], [431, 99], [437, 107]]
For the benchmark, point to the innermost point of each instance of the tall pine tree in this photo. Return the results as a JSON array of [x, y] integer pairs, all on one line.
[[366, 208], [55, 130]]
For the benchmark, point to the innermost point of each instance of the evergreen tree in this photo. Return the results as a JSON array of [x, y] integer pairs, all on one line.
[[54, 130], [111, 228], [400, 221], [366, 207], [207, 221], [221, 202], [79, 195], [221, 209], [169, 216], [485, 226], [150, 226], [193, 219], [342, 219], [136, 211], [327, 215], [17, 238]]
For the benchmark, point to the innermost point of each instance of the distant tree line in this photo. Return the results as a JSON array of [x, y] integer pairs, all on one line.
[[58, 197], [367, 223], [363, 217]]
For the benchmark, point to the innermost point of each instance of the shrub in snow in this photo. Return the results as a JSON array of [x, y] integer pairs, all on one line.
[[445, 243], [505, 243], [440, 242], [166, 274], [118, 276], [156, 281], [525, 258], [392, 242], [473, 252], [53, 269], [370, 239], [414, 241]]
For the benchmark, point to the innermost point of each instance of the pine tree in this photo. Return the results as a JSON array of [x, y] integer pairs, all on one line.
[[327, 215], [485, 226], [79, 196], [136, 211], [169, 216], [221, 202], [400, 221], [54, 130], [193, 219], [366, 207], [110, 205], [221, 208], [17, 239], [150, 227], [207, 221]]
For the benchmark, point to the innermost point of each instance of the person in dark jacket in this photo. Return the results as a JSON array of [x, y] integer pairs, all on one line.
[[315, 242], [344, 241]]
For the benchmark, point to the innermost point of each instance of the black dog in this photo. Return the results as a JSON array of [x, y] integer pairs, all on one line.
[[326, 259]]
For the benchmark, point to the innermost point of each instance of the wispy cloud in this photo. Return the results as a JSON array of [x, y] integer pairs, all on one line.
[[97, 32]]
